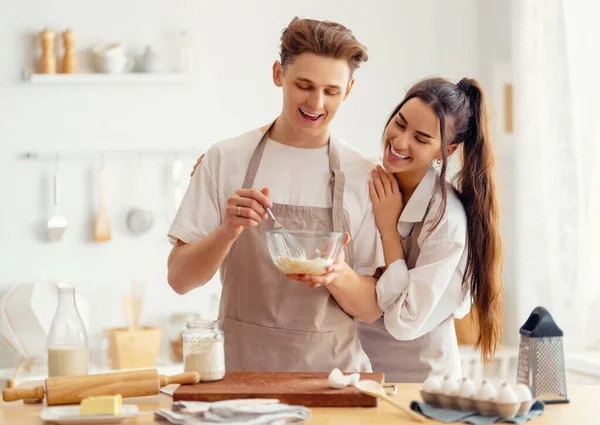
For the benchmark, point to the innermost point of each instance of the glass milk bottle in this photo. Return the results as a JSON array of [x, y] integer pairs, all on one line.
[[67, 342]]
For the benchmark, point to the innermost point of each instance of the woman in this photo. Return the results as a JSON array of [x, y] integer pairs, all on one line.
[[426, 226]]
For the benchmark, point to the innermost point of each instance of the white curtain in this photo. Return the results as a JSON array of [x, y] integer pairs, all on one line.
[[556, 57]]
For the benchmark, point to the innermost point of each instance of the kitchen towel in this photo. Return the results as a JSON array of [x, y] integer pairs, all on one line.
[[233, 412], [474, 418]]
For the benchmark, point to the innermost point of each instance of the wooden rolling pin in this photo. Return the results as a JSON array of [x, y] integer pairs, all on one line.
[[73, 389]]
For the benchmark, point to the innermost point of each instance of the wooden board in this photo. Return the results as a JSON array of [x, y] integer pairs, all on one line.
[[301, 388]]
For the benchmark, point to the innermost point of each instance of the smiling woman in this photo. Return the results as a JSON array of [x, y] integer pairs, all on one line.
[[413, 140], [441, 242]]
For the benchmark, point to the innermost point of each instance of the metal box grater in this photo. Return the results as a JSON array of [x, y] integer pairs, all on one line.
[[541, 358]]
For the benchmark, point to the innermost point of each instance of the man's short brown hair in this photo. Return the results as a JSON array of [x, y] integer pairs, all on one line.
[[322, 38]]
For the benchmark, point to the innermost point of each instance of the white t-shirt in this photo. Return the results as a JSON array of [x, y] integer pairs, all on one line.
[[296, 176]]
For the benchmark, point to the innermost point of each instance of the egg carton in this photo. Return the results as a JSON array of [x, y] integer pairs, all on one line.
[[463, 394]]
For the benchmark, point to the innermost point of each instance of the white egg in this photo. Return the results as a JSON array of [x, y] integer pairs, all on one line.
[[486, 391], [433, 384], [449, 386], [337, 379], [467, 388], [506, 394], [353, 379], [523, 392]]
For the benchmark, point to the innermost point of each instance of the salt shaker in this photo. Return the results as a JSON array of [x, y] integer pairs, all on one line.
[[69, 62], [47, 63]]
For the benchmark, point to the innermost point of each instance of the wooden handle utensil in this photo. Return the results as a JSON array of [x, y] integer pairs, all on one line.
[[72, 389], [14, 394], [185, 378]]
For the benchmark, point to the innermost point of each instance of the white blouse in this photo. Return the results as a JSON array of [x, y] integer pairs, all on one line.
[[415, 300]]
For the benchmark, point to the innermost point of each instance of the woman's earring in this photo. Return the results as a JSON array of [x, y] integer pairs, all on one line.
[[438, 162]]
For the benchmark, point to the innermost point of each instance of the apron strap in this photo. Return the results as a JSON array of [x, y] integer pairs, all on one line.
[[255, 159], [416, 232], [338, 181]]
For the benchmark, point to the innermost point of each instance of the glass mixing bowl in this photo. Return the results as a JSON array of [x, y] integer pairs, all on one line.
[[320, 250]]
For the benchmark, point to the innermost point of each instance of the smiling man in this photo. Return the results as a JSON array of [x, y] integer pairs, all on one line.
[[311, 180]]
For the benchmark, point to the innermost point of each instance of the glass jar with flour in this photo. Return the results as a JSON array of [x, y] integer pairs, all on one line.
[[204, 349]]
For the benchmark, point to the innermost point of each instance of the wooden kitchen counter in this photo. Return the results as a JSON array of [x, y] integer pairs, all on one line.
[[581, 410]]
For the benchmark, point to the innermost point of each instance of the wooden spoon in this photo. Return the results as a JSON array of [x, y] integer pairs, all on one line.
[[375, 389], [102, 224]]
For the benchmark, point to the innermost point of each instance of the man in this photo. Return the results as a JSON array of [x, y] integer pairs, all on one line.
[[310, 180]]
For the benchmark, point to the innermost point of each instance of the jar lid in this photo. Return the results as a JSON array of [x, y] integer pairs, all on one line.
[[204, 324], [184, 317]]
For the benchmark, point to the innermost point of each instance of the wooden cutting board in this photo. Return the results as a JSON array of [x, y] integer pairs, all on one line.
[[309, 389]]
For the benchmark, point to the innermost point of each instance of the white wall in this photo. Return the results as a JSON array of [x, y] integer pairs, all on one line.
[[495, 69], [231, 92]]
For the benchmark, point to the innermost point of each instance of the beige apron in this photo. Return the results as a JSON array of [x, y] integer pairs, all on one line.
[[275, 324], [434, 353]]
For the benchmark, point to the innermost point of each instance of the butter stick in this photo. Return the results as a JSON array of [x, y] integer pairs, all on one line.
[[101, 405]]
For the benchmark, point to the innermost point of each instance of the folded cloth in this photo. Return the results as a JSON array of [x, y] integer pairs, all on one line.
[[233, 412], [474, 418]]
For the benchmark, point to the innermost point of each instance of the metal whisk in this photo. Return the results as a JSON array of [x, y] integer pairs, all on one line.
[[292, 248]]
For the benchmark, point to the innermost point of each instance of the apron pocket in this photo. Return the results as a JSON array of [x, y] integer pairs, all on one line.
[[254, 348]]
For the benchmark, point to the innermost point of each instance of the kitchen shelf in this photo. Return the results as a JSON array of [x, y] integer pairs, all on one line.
[[91, 155], [98, 78]]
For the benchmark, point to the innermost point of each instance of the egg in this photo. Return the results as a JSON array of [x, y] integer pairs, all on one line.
[[523, 392], [449, 386], [337, 379], [433, 384], [486, 391], [353, 379], [506, 395], [467, 388], [525, 398]]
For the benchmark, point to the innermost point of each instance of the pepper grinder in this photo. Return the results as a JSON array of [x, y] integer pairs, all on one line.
[[69, 63], [47, 64]]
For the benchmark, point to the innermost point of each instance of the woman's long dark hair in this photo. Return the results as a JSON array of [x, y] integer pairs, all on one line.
[[462, 111]]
